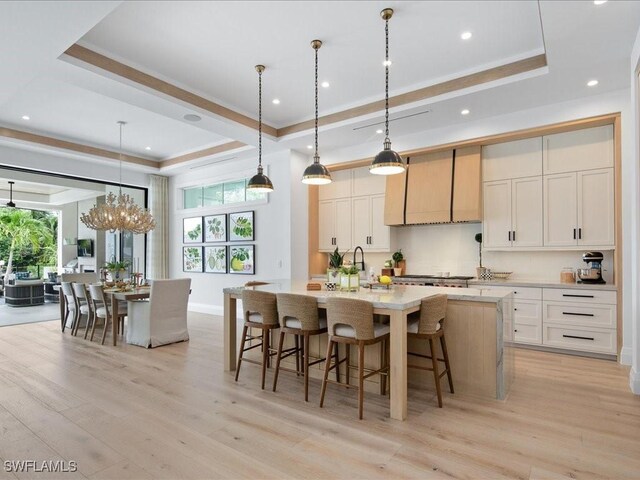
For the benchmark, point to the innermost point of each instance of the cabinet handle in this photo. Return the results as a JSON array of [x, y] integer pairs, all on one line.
[[516, 330], [578, 337], [579, 314], [579, 233], [574, 233], [577, 296], [513, 236], [509, 235]]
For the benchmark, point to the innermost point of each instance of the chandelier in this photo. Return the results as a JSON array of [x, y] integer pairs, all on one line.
[[119, 213]]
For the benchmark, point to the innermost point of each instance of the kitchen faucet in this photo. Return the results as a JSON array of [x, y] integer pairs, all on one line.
[[361, 263]]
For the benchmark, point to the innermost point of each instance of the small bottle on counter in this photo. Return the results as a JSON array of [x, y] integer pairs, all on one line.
[[373, 278], [567, 275]]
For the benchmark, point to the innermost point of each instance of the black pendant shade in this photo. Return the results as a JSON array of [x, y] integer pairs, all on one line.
[[260, 182]]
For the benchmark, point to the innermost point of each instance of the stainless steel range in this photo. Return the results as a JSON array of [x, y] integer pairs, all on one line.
[[433, 280]]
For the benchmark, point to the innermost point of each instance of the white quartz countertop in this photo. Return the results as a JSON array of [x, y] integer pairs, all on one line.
[[540, 284], [397, 297]]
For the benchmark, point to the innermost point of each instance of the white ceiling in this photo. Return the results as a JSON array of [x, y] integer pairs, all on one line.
[[210, 48]]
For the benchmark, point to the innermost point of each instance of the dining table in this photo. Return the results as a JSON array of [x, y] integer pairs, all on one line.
[[115, 296], [479, 320]]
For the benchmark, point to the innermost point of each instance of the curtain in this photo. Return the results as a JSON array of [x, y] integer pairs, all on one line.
[[158, 240]]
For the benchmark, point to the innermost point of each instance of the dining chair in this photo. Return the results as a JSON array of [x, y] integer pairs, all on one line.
[[260, 311], [101, 310], [351, 321], [428, 325], [298, 315], [83, 306], [70, 303], [162, 319]]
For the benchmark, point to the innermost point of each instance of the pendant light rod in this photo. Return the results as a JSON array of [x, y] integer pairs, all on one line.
[[260, 69], [386, 14], [121, 123], [316, 44]]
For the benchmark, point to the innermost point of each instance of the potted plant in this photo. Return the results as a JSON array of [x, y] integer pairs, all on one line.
[[335, 262], [117, 270], [397, 258], [479, 270], [349, 278]]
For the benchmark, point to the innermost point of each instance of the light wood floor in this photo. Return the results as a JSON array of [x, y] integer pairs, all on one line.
[[171, 412]]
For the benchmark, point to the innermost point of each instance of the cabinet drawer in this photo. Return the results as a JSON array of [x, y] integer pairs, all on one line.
[[526, 293], [603, 316], [527, 312], [607, 297], [597, 340], [527, 333]]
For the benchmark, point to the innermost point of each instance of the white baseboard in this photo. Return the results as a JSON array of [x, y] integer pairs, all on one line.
[[211, 309], [625, 355], [634, 381]]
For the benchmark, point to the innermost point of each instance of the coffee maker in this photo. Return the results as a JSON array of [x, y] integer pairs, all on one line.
[[593, 274]]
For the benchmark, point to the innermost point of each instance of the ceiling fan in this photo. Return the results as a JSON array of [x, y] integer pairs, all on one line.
[[10, 203]]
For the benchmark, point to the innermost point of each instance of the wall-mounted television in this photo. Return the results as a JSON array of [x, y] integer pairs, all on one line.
[[85, 247]]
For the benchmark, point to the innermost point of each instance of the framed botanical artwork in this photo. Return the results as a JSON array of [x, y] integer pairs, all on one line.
[[215, 228], [192, 259], [192, 230], [215, 259], [242, 259], [241, 227]]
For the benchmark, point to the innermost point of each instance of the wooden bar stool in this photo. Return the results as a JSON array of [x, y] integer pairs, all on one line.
[[261, 312], [429, 325], [351, 322], [299, 317]]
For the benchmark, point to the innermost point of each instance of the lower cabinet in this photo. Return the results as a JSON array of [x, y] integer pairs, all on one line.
[[571, 319]]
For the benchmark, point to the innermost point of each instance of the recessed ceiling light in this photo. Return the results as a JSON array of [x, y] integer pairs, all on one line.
[[465, 112], [309, 147], [466, 35], [592, 83], [190, 117], [325, 84], [599, 2], [386, 63], [379, 131], [275, 101], [26, 117], [147, 148]]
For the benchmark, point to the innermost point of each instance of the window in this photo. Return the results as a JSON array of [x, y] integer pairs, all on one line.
[[226, 193]]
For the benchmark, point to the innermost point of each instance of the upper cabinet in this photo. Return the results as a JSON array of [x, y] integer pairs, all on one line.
[[586, 149], [429, 188], [555, 191], [467, 185], [522, 158], [365, 183], [340, 186]]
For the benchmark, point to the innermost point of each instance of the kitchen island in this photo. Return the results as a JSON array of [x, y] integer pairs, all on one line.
[[478, 329]]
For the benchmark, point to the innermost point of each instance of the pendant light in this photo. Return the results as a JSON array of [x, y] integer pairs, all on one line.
[[387, 162], [10, 203], [119, 213], [316, 173], [260, 182]]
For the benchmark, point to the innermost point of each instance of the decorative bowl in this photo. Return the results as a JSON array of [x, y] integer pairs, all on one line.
[[501, 275]]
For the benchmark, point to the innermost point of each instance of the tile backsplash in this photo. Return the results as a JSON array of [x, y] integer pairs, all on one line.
[[452, 248]]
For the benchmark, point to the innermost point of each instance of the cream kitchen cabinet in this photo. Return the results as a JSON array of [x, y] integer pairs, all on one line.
[[334, 225], [579, 150], [369, 230], [340, 186], [517, 159], [579, 209], [513, 213], [364, 183]]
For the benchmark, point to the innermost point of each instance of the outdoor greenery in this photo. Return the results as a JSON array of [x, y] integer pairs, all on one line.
[[28, 239]]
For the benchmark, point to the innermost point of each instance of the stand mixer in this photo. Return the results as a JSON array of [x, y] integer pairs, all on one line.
[[593, 274]]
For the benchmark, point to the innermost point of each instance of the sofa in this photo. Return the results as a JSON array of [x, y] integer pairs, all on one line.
[[24, 293]]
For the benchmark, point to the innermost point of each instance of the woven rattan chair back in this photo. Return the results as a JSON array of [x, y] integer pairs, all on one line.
[[432, 312], [263, 303], [357, 314], [301, 307]]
